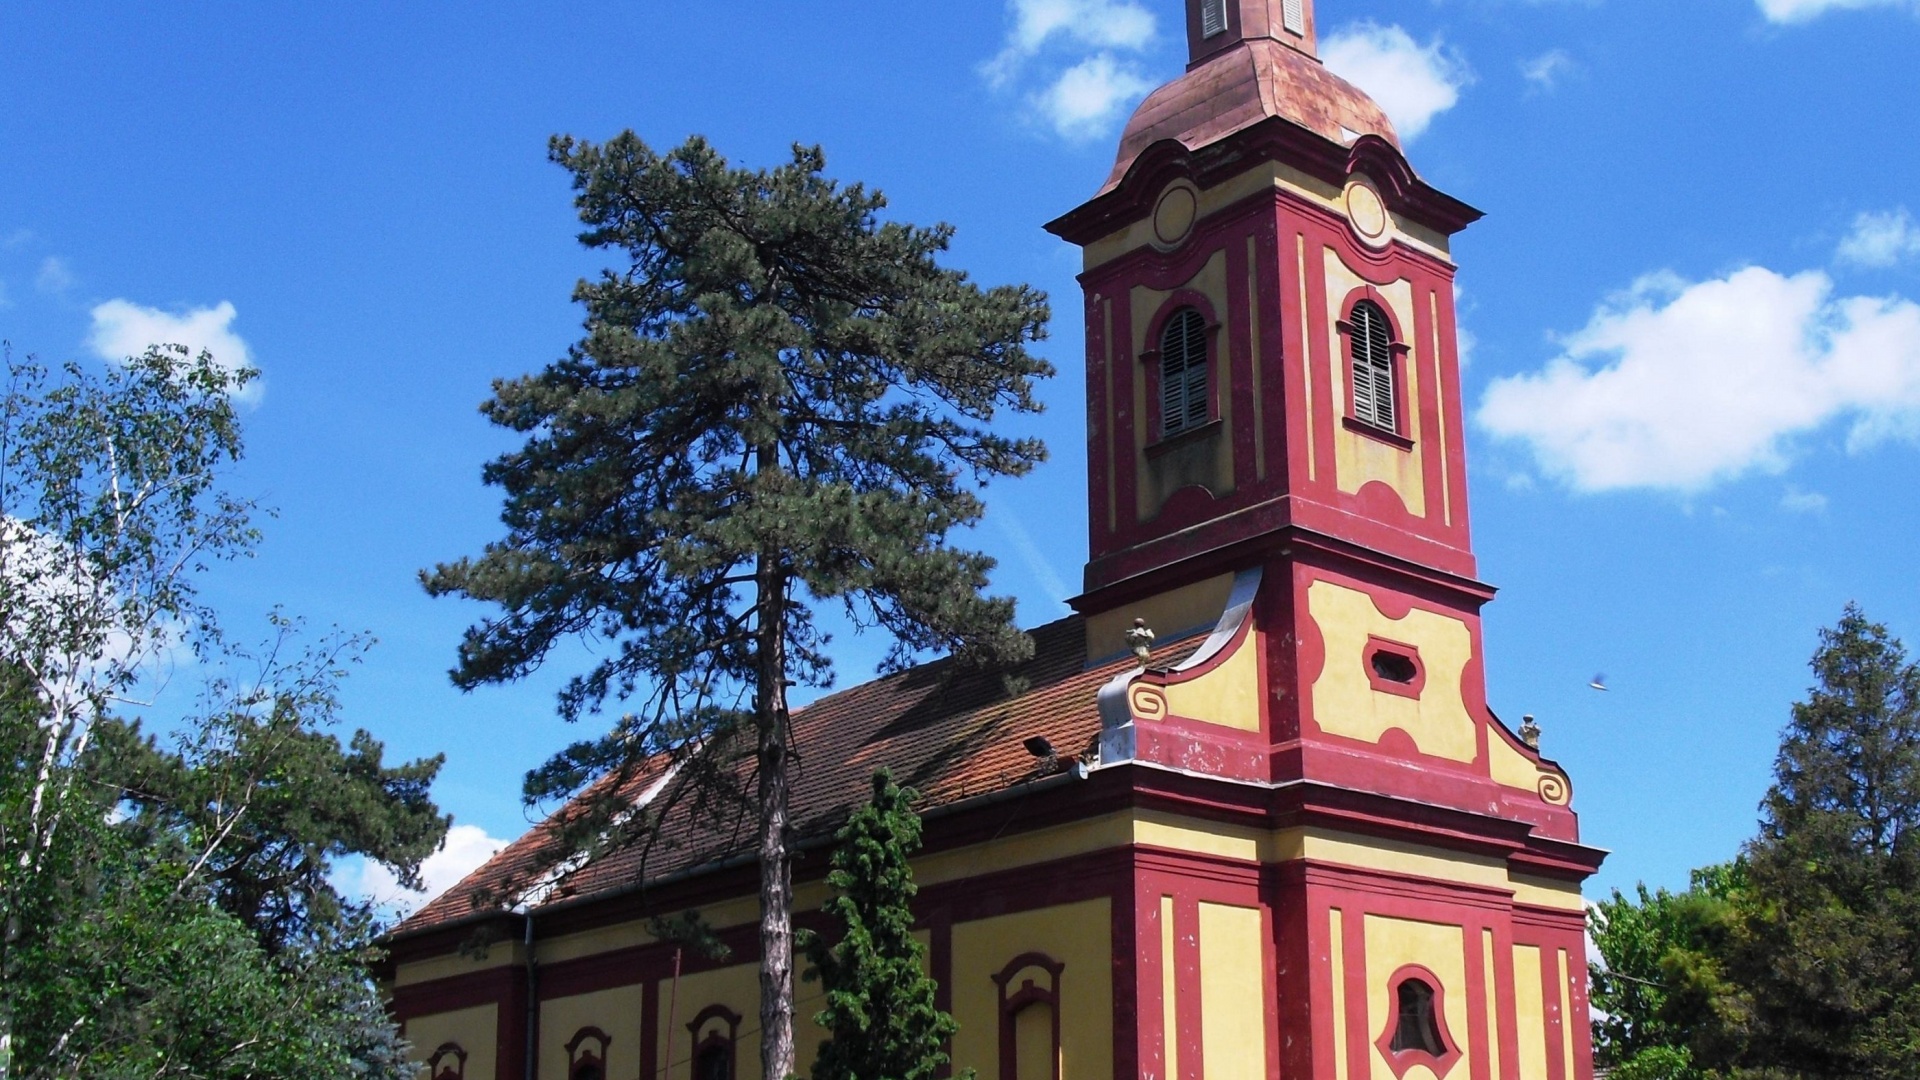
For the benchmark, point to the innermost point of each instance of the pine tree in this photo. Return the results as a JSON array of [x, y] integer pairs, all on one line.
[[881, 1020], [1820, 975], [781, 403]]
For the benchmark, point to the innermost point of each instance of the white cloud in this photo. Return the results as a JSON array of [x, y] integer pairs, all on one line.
[[1800, 11], [55, 276], [1546, 70], [1070, 50], [122, 329], [1803, 502], [1088, 98], [1412, 82], [1678, 385], [1881, 239], [1090, 24], [464, 850]]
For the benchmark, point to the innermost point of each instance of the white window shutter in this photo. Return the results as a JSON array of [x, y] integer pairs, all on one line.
[[1294, 16], [1213, 17]]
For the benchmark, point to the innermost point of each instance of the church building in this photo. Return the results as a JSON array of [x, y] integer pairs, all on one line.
[[1251, 815]]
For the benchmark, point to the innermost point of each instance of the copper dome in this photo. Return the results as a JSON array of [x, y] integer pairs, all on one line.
[[1238, 88]]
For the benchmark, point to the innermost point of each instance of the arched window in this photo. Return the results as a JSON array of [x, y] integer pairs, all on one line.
[[1183, 373], [1371, 342], [1030, 1018], [713, 1062], [1415, 1026], [447, 1063], [716, 1032], [587, 1055]]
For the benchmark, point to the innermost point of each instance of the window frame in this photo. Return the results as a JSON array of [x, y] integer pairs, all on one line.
[[1411, 653], [580, 1055], [1396, 369], [1014, 999], [726, 1041], [1403, 1061], [454, 1069], [1153, 361]]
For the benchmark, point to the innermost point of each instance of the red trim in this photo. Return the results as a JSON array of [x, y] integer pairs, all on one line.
[[1402, 1061], [1411, 688], [1027, 994], [580, 1055], [456, 1069], [650, 1067], [1274, 139]]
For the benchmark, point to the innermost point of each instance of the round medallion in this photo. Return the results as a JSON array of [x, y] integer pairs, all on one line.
[[1368, 215], [1173, 217]]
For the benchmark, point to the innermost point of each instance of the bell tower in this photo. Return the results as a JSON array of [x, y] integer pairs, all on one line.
[[1277, 490]]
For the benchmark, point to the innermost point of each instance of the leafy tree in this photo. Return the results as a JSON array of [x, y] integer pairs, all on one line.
[[122, 967], [117, 956], [1647, 943], [780, 403], [880, 1017], [109, 507]]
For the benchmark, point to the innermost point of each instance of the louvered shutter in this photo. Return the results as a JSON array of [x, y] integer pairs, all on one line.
[[1183, 373], [1293, 15], [1213, 17], [1372, 346]]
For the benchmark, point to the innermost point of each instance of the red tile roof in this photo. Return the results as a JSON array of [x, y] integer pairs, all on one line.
[[950, 734]]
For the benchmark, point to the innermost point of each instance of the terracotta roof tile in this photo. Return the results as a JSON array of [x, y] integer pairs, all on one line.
[[948, 733]]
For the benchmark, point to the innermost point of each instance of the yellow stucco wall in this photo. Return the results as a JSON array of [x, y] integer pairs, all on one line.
[[1169, 992], [1078, 935], [1344, 700], [1190, 607], [1491, 974], [615, 1012], [1530, 1012], [473, 1029], [1233, 993], [1227, 696], [1393, 944]]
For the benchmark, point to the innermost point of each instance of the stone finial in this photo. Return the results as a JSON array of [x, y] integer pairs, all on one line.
[[1140, 640], [1530, 732]]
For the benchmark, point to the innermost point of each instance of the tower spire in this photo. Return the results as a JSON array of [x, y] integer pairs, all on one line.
[[1214, 26]]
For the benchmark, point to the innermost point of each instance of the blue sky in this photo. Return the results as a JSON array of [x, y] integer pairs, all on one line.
[[1694, 373]]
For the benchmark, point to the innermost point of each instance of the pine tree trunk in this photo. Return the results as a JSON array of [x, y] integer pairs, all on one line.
[[776, 868]]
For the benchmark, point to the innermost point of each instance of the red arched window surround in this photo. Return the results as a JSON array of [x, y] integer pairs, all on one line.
[[1152, 367], [1403, 1060], [1014, 998], [587, 1054], [716, 1034], [447, 1063], [1398, 349]]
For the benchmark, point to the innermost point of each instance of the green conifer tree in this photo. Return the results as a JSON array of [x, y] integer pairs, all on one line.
[[782, 402], [880, 1017]]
